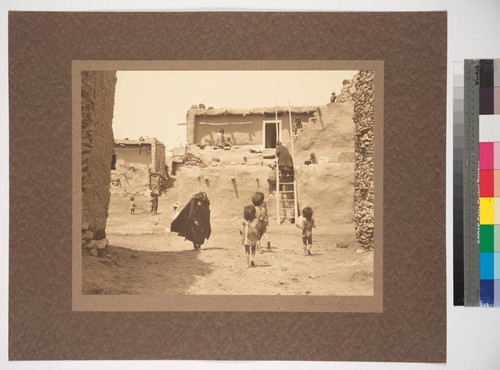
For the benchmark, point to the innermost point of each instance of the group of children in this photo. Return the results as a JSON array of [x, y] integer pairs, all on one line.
[[153, 201], [255, 221]]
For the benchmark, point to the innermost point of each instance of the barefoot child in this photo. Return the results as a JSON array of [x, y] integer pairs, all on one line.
[[261, 209], [249, 234], [307, 226], [132, 205], [154, 203]]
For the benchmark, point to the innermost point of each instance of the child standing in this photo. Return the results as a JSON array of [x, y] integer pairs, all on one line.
[[132, 205], [154, 203], [249, 234], [307, 226], [261, 214]]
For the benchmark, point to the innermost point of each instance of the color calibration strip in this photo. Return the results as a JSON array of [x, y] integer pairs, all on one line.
[[476, 134], [489, 181], [458, 181]]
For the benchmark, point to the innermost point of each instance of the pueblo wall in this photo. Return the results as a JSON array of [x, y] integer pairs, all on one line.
[[229, 187], [133, 154], [243, 126], [364, 157], [98, 95], [328, 186]]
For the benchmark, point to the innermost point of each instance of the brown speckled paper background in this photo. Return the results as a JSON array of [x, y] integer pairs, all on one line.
[[42, 325]]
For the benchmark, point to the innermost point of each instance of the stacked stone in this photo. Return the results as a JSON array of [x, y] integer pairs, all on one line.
[[346, 94], [364, 157], [98, 95]]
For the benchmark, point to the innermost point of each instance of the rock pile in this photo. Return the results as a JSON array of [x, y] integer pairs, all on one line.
[[348, 88], [364, 157], [94, 243]]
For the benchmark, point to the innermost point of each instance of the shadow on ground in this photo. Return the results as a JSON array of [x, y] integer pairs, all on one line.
[[126, 271]]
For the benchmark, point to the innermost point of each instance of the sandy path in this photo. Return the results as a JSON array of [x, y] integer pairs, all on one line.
[[145, 259]]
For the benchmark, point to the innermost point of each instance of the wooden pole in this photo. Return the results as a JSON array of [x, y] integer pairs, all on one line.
[[278, 198], [295, 200]]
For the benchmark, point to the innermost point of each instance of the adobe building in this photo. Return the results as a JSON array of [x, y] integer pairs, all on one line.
[[145, 151], [135, 164], [231, 176], [257, 127]]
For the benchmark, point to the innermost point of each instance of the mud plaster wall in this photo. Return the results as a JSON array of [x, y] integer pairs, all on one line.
[[227, 197], [330, 137], [240, 134], [327, 188], [364, 158], [133, 154], [159, 165], [98, 94]]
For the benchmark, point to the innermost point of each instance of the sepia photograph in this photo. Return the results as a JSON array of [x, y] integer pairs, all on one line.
[[227, 182]]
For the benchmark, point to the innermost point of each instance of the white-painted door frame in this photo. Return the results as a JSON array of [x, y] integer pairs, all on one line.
[[280, 130]]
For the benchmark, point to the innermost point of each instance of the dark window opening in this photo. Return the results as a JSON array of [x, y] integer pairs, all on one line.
[[113, 162]]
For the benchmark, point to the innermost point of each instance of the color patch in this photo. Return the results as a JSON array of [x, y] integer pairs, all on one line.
[[496, 210], [487, 292], [496, 183], [486, 183], [496, 153], [486, 103], [487, 237], [496, 266], [486, 263], [497, 99], [496, 294], [496, 237], [486, 68], [486, 156], [489, 128], [486, 211]]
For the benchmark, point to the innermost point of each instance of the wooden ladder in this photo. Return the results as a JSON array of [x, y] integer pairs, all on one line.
[[287, 200], [286, 188]]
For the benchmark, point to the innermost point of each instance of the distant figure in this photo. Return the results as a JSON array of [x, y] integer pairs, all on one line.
[[285, 162], [307, 225], [219, 140], [154, 203], [297, 126], [227, 143], [262, 218], [176, 211], [249, 234], [333, 97], [193, 222], [132, 205]]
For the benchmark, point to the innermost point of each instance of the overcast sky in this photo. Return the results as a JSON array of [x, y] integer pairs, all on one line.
[[152, 103]]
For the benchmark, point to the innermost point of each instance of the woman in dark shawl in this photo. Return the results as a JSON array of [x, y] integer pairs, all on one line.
[[285, 162], [194, 220]]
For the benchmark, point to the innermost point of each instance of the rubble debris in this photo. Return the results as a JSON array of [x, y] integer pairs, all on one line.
[[191, 160], [348, 89]]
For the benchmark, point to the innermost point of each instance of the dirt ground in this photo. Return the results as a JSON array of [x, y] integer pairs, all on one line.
[[145, 258]]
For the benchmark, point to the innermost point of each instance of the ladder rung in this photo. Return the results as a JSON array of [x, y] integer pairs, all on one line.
[[286, 183], [288, 191], [287, 208]]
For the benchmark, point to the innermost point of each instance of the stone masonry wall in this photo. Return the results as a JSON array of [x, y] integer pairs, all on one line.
[[364, 157], [98, 94]]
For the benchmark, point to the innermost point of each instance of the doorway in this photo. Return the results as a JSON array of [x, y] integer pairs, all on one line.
[[270, 136]]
